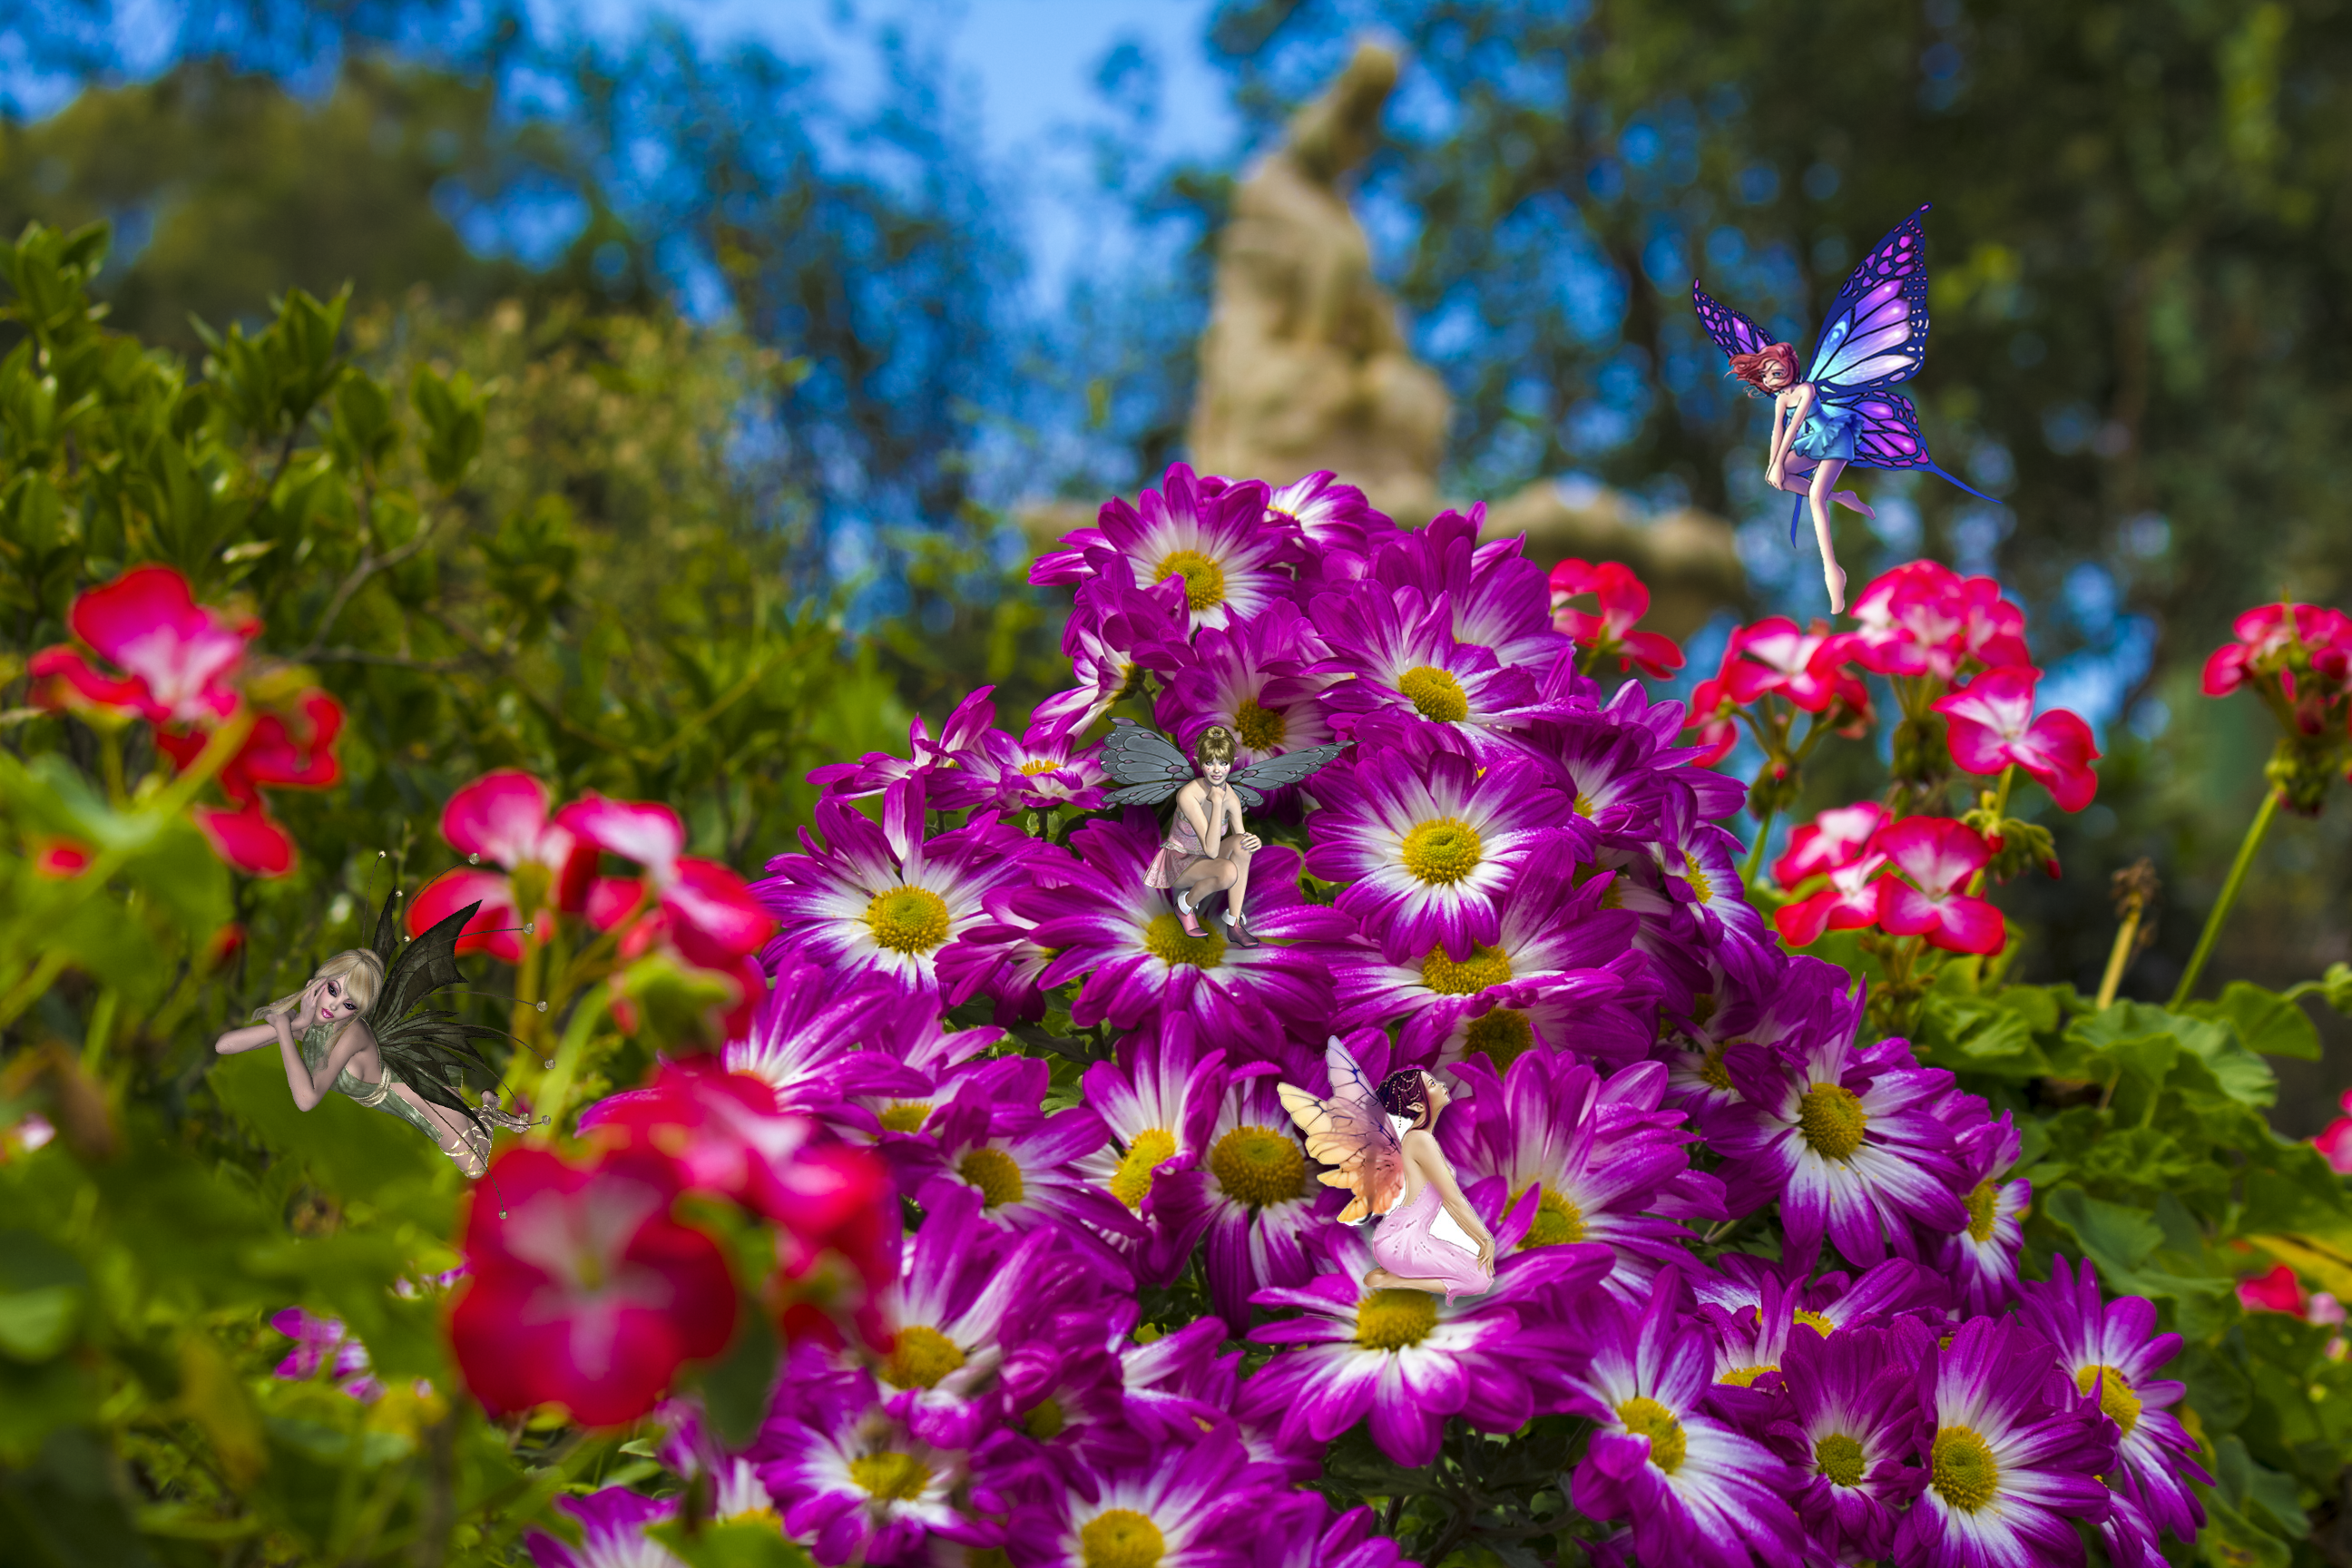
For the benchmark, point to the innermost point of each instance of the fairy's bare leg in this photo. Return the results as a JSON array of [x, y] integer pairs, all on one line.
[[459, 1139], [1208, 877], [1825, 477], [1381, 1280], [1240, 859]]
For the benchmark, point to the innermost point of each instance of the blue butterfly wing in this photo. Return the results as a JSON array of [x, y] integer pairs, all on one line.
[[1889, 438], [1733, 332], [1877, 334]]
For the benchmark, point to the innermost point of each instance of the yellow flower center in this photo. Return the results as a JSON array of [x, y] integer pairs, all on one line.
[[986, 1557], [1486, 966], [1612, 897], [1260, 729], [1701, 888], [1205, 579], [1442, 851], [1435, 694], [1121, 1538], [1131, 1182], [995, 1173], [1815, 1322], [1165, 939], [1502, 1036], [895, 1478], [907, 920], [919, 1357], [1583, 803], [1982, 1201], [1838, 1457], [1832, 1119], [1046, 1421], [1645, 1417], [1711, 1072], [1746, 1376], [1558, 1221], [906, 1115], [1395, 1320], [1259, 1165], [2116, 1400], [1966, 1474], [1036, 766]]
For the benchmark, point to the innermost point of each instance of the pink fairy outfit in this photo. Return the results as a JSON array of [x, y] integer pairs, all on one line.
[[1407, 1247], [1178, 854]]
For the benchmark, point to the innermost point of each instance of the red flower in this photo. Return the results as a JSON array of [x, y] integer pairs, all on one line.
[[590, 1295], [2276, 1291], [1922, 619], [1624, 601], [2335, 1144], [708, 912], [502, 816], [297, 755], [1836, 838], [1774, 656], [179, 657], [1849, 903], [1992, 726], [1939, 856], [2267, 635], [59, 858]]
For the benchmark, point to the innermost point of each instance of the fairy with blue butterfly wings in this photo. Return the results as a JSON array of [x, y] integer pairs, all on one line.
[[1840, 413]]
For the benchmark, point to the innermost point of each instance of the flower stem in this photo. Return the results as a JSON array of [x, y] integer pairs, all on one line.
[[2213, 922], [1999, 812], [2117, 957], [1756, 852]]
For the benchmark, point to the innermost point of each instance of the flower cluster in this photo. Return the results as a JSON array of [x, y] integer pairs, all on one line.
[[1514, 876], [218, 715], [2298, 660]]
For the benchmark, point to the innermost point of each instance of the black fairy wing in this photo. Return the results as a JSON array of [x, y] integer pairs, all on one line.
[[430, 1049], [1146, 761], [1289, 768]]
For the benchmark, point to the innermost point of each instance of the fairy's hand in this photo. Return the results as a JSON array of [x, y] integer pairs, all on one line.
[[1486, 1253], [1251, 842], [497, 1117]]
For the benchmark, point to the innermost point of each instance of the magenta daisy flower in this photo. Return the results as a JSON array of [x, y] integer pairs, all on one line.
[[1408, 1360], [1430, 842], [1851, 1414], [1044, 769], [1846, 1139], [1332, 518], [1599, 1155], [2014, 1455], [1262, 679], [1981, 1260], [2113, 1351], [1197, 1505], [1113, 630], [1125, 939], [1807, 1001], [859, 1487], [804, 1037], [1695, 1489], [1158, 1100], [612, 1533], [1556, 970], [1412, 678], [938, 761], [1501, 600], [1234, 561], [885, 900], [1700, 864]]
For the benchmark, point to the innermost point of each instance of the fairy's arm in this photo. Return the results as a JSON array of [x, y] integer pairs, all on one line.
[[1232, 814], [253, 1037], [1207, 825], [310, 1085], [1422, 1147]]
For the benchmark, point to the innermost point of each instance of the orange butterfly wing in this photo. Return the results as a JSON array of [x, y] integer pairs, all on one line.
[[1350, 1132]]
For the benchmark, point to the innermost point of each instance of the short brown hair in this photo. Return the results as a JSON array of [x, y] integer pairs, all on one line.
[[1215, 745], [1749, 368]]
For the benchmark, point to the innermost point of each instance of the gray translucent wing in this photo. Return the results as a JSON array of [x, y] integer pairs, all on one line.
[[387, 931], [1144, 761], [1289, 768]]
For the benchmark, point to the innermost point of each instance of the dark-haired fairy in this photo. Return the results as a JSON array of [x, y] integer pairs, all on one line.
[[363, 1032], [1207, 851]]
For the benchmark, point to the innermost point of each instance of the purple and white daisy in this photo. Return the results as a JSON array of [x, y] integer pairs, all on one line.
[[939, 763], [1603, 769], [1408, 1360], [1805, 1001], [2113, 1351], [1194, 1505], [1127, 942], [1599, 1155], [1234, 561], [885, 900], [1337, 527], [1849, 1429], [1158, 1100], [1559, 970], [612, 1533], [731, 1481], [1695, 1489], [1846, 1139], [805, 1035], [1501, 600], [1044, 769], [1262, 678], [326, 1344], [1827, 1302], [2014, 1456], [1429, 843], [1314, 1540], [1700, 865], [1412, 679], [1113, 629], [1981, 1260], [859, 1487]]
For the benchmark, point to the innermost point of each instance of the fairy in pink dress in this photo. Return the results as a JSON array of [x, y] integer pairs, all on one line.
[[1383, 1147]]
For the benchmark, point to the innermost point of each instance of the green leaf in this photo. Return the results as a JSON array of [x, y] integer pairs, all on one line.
[[736, 1386], [746, 1544], [2267, 1022], [2118, 1239]]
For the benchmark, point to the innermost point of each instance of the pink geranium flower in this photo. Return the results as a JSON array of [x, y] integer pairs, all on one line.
[[1849, 903], [2276, 1291], [2335, 1144], [1806, 667], [1624, 601], [502, 817], [1923, 619], [179, 658], [1833, 838], [1939, 856], [2267, 635], [590, 1295], [1993, 727], [709, 914]]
